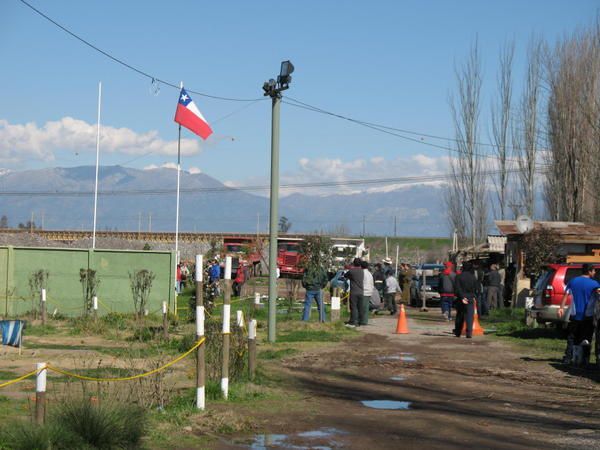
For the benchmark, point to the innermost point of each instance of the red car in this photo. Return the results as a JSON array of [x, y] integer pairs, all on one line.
[[550, 288]]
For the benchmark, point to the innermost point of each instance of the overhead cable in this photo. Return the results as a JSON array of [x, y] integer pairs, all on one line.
[[131, 67]]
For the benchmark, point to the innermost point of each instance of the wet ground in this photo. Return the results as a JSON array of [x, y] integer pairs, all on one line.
[[429, 390]]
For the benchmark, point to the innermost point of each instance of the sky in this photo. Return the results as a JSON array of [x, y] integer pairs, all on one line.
[[386, 62]]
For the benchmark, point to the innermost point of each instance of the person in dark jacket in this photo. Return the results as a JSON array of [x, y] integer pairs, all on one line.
[[314, 280], [356, 275], [379, 279], [466, 289], [494, 281], [446, 289]]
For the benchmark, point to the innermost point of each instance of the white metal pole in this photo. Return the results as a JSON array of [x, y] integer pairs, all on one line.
[[397, 255], [386, 248], [177, 208], [97, 163]]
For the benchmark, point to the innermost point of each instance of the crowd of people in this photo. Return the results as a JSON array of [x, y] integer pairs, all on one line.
[[379, 288]]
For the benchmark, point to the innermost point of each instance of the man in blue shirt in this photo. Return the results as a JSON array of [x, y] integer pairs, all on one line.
[[581, 327]]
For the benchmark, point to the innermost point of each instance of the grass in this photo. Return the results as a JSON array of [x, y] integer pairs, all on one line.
[[79, 424], [40, 330], [277, 354], [510, 325], [9, 375]]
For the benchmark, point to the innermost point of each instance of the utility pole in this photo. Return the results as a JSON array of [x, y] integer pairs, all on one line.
[[43, 213], [395, 221], [364, 220], [149, 222], [31, 222], [273, 89], [139, 224]]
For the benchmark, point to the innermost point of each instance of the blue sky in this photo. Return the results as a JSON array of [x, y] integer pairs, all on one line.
[[390, 62]]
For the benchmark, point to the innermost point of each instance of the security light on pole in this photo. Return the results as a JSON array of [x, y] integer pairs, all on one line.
[[273, 89]]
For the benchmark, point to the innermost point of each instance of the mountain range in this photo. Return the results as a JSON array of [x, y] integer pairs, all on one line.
[[132, 199]]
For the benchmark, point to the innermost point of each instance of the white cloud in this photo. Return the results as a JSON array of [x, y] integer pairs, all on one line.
[[168, 165], [338, 170], [28, 141]]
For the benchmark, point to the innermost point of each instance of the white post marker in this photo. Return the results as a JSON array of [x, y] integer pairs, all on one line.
[[164, 308], [228, 268], [335, 309], [257, 298], [95, 303], [252, 349], [226, 319], [200, 388], [239, 318], [40, 381], [43, 305], [40, 393], [226, 331], [199, 321]]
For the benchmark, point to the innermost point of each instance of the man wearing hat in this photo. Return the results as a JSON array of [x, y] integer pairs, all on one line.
[[387, 266]]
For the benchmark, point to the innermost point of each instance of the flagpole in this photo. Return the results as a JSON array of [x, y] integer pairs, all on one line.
[[177, 209], [97, 162]]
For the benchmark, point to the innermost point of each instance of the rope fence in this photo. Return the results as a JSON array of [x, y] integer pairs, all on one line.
[[86, 378]]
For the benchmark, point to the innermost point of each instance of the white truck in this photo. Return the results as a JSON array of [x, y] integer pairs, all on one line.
[[344, 250]]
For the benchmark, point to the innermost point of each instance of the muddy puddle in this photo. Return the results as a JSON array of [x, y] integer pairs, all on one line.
[[387, 404], [320, 439], [406, 357]]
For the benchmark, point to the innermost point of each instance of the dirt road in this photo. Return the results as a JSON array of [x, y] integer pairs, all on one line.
[[479, 393]]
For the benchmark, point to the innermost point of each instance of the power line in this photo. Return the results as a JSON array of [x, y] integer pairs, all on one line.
[[129, 66], [386, 129]]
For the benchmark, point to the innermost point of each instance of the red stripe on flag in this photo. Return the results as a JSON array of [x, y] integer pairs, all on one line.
[[192, 122]]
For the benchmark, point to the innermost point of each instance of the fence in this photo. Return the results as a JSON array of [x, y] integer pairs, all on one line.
[[64, 290]]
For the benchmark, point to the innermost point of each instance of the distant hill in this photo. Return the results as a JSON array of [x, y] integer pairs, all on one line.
[[418, 209]]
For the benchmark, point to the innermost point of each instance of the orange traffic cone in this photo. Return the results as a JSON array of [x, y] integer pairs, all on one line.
[[402, 325], [477, 328]]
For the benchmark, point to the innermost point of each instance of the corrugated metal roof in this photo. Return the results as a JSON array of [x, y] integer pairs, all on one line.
[[574, 232]]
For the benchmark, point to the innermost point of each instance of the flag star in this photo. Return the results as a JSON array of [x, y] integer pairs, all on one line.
[[184, 97]]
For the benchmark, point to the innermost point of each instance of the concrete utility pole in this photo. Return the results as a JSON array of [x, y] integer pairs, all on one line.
[[273, 89], [364, 220]]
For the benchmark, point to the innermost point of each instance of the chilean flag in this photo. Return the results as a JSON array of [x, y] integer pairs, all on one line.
[[189, 116]]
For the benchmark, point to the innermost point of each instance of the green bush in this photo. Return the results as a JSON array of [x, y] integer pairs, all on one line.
[[104, 426], [29, 436]]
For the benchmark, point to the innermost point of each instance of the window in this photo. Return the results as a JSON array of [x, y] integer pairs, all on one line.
[[572, 273]]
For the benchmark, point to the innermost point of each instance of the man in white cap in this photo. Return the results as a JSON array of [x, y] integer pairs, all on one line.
[[387, 267]]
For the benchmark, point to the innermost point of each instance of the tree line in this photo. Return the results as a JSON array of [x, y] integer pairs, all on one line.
[[545, 140]]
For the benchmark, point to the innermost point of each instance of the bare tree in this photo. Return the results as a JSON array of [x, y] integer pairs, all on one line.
[[573, 78], [468, 178], [501, 115], [526, 129]]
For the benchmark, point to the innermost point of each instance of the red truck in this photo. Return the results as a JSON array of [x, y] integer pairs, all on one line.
[[244, 249], [288, 257]]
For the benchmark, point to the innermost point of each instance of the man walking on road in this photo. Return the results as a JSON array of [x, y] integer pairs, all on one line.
[[466, 288], [581, 327], [355, 275], [368, 288], [447, 290]]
